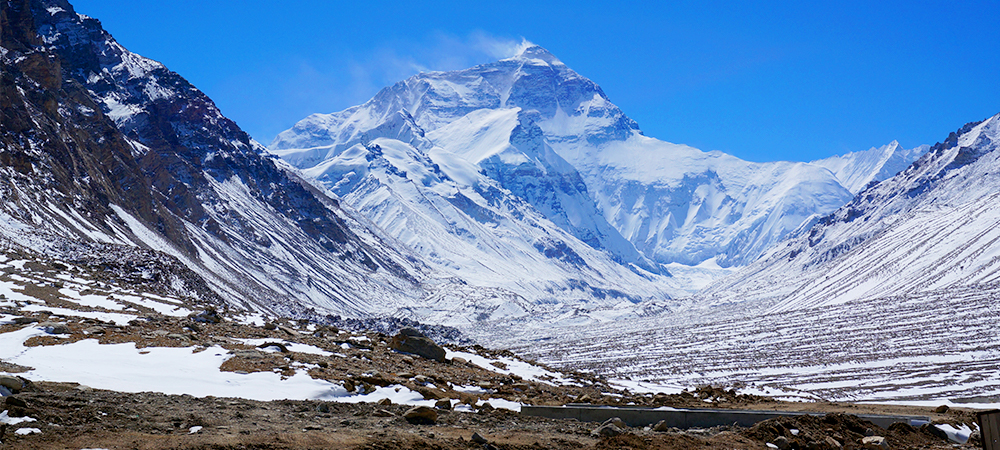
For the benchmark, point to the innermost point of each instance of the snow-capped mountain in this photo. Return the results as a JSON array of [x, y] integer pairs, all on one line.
[[552, 138], [856, 170], [932, 228], [469, 224], [103, 148]]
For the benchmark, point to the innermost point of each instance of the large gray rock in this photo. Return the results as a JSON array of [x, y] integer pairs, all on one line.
[[14, 384], [875, 442], [606, 430], [421, 415], [54, 327], [412, 341]]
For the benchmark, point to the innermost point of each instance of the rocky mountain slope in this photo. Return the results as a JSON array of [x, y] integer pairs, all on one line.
[[102, 147]]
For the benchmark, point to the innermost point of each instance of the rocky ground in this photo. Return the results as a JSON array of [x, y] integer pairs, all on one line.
[[465, 389], [75, 417]]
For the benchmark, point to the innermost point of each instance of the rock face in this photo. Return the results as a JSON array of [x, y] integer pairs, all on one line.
[[105, 152], [412, 341]]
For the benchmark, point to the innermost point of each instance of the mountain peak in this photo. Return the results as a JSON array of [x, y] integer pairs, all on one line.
[[530, 52]]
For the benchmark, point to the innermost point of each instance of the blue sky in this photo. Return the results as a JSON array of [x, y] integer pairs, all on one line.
[[760, 80]]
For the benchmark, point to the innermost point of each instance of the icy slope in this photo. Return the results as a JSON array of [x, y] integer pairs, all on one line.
[[856, 170], [673, 203], [105, 147]]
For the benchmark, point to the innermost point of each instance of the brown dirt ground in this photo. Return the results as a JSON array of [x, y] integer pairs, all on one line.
[[75, 417]]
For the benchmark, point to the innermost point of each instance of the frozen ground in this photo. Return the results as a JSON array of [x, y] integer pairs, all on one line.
[[930, 349]]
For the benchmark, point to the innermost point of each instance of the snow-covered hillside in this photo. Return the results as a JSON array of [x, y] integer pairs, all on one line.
[[856, 170], [105, 151], [933, 227], [892, 297]]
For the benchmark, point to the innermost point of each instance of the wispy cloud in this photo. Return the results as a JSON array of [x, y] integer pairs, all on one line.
[[332, 82]]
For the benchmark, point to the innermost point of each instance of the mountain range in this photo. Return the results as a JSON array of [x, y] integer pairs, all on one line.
[[536, 130]]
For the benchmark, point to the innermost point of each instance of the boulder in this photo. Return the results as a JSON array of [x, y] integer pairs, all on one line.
[[781, 442], [616, 421], [479, 439], [875, 442], [209, 315], [412, 341], [54, 327], [384, 402], [941, 409], [15, 384], [833, 443], [444, 403], [421, 415], [606, 430], [661, 426]]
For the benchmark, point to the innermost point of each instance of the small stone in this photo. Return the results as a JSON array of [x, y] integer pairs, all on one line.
[[421, 379], [421, 415], [661, 426], [15, 402], [349, 386], [385, 402], [459, 360], [875, 442], [444, 403], [607, 430], [404, 375], [781, 442], [616, 421], [383, 413], [833, 443], [486, 407], [941, 409], [479, 439]]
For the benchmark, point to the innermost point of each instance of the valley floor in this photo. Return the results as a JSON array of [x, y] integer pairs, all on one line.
[[73, 417]]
